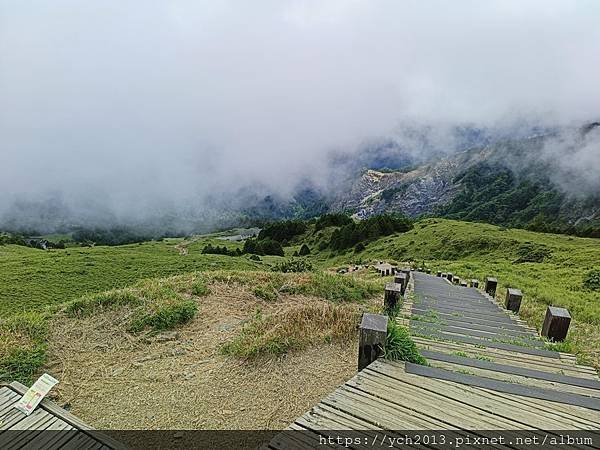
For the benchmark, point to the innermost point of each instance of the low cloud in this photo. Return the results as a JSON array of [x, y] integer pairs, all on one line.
[[126, 110], [574, 159]]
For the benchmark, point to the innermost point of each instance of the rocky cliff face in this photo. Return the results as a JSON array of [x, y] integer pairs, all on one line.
[[413, 192], [513, 183]]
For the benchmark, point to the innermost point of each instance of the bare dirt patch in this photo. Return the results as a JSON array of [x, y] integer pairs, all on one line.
[[180, 380]]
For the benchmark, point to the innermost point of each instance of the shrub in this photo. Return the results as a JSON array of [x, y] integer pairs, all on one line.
[[199, 288], [591, 280], [263, 247], [304, 250], [282, 231], [529, 252], [367, 230], [332, 220], [399, 346], [165, 317], [293, 265], [216, 250], [266, 292]]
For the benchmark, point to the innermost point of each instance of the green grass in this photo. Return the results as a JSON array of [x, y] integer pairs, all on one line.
[[477, 250], [32, 278], [89, 279], [399, 346], [267, 292], [22, 346]]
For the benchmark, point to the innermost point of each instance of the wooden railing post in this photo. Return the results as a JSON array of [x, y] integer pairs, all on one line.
[[490, 286], [556, 323], [513, 300], [439, 274], [474, 283], [400, 278], [449, 276], [373, 333], [392, 294], [406, 271]]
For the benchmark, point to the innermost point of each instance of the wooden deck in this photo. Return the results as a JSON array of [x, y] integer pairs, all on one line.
[[48, 427], [487, 371]]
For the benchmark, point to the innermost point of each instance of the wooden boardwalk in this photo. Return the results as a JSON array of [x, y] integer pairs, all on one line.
[[487, 371], [48, 427]]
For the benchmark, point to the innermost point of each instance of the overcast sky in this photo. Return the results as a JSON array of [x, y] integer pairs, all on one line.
[[142, 102]]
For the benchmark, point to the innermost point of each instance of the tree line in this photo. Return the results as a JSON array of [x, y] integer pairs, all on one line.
[[359, 233]]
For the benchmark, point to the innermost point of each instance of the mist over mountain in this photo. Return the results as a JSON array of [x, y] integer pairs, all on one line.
[[183, 117]]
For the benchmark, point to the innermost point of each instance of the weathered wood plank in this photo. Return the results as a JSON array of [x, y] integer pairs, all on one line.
[[435, 404], [325, 410], [518, 359], [53, 409], [587, 419], [503, 386], [433, 356], [517, 379], [21, 439], [42, 439], [472, 396]]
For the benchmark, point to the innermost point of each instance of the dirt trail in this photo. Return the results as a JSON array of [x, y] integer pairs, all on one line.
[[179, 380]]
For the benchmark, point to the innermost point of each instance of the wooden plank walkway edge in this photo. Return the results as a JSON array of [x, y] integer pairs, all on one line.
[[487, 370], [54, 410]]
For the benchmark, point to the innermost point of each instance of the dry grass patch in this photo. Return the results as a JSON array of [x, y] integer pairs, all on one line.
[[295, 329], [154, 305], [114, 379]]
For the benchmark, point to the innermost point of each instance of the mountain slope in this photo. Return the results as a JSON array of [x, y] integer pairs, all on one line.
[[513, 183]]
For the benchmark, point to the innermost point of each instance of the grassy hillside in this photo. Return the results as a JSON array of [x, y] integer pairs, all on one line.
[[31, 278], [493, 193], [474, 250], [549, 269]]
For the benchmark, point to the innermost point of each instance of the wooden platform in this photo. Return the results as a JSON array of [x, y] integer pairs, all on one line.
[[487, 371], [48, 427]]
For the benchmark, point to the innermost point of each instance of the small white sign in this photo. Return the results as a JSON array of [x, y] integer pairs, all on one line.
[[35, 394]]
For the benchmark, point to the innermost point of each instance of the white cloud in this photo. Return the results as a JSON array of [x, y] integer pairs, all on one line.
[[151, 102]]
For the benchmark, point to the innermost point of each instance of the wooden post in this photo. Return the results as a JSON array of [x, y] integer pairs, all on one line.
[[400, 278], [449, 276], [373, 333], [439, 274], [427, 271], [556, 324], [393, 293], [443, 274], [513, 300], [406, 271], [474, 283], [456, 280], [490, 286], [463, 283]]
